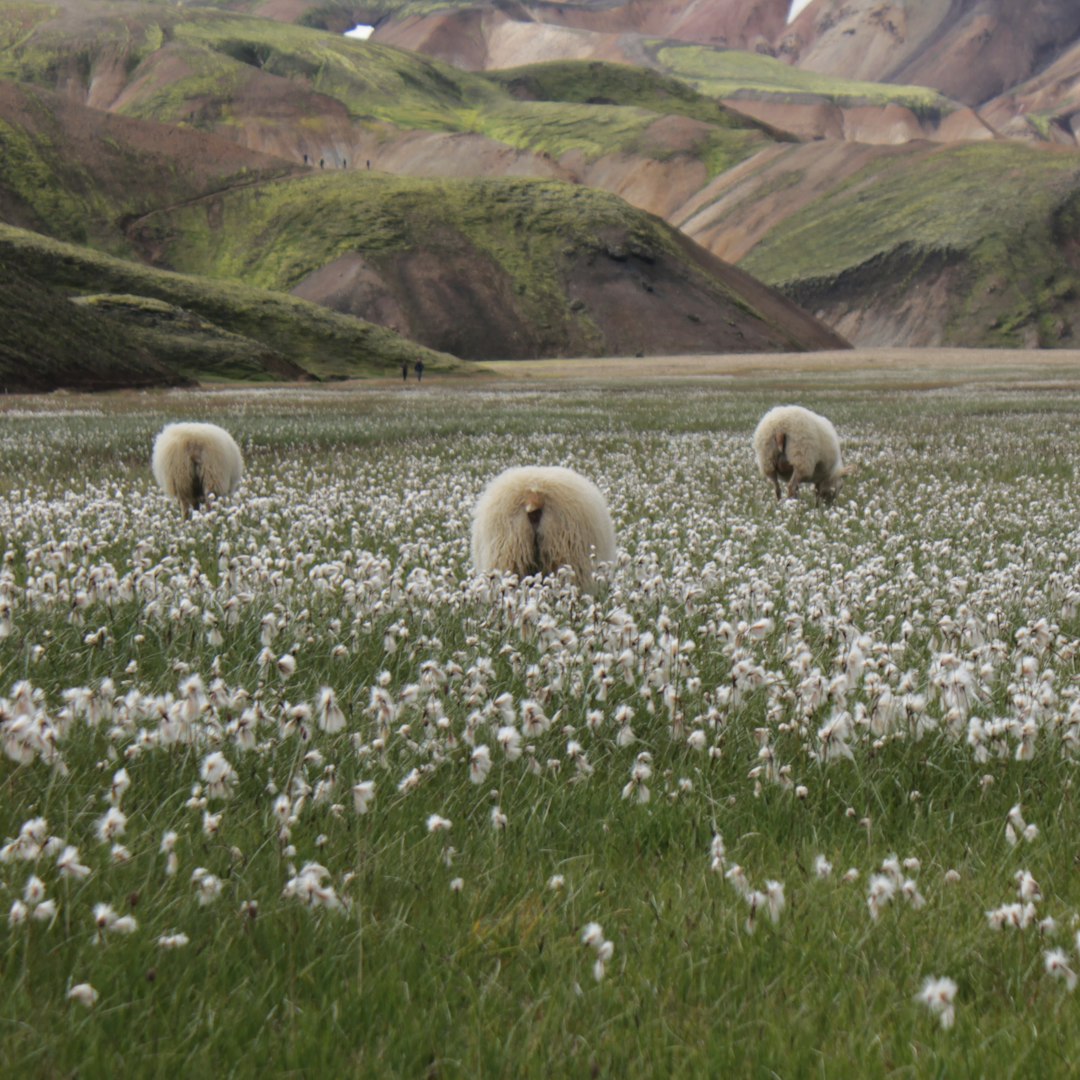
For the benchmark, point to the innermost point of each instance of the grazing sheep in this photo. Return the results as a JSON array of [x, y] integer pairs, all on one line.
[[192, 461], [533, 520], [801, 447]]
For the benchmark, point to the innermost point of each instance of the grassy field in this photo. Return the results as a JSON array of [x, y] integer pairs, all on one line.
[[792, 762]]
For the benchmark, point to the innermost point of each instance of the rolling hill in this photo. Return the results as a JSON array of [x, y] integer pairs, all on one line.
[[80, 319], [463, 203], [193, 159]]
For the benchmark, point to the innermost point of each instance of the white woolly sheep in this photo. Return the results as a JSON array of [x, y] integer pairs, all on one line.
[[192, 461], [534, 519], [801, 447]]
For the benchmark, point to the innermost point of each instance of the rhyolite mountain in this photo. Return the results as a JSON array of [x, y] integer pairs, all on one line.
[[234, 148], [905, 212], [821, 154]]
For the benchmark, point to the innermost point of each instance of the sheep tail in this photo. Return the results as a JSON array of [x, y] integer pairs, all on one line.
[[782, 464], [198, 492], [538, 557]]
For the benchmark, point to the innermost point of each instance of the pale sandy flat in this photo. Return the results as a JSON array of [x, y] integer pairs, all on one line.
[[920, 367]]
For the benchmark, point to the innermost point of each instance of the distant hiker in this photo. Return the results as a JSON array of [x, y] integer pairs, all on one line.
[[322, 163], [418, 367], [344, 163], [369, 166], [305, 159], [404, 370]]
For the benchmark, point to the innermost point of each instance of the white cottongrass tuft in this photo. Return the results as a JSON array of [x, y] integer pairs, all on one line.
[[593, 935], [84, 994], [329, 716], [938, 995], [1057, 965], [218, 775], [207, 886], [879, 894], [173, 941], [311, 888], [363, 793]]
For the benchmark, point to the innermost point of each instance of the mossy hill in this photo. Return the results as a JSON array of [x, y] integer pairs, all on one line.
[[984, 238], [78, 173], [482, 269], [593, 82], [79, 319]]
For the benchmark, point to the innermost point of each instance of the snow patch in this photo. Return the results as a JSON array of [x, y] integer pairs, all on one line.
[[364, 32], [796, 7]]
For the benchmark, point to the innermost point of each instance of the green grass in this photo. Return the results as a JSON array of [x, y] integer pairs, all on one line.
[[730, 73], [277, 235], [352, 525]]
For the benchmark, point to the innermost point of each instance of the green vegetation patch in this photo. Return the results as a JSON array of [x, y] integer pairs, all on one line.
[[275, 235], [196, 349], [1001, 210], [728, 73], [18, 19], [55, 191], [595, 82], [316, 340], [964, 198]]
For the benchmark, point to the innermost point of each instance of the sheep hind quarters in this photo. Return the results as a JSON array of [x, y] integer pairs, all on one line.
[[800, 447], [534, 519], [193, 461]]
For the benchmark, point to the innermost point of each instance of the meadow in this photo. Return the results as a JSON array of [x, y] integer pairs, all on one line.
[[288, 790]]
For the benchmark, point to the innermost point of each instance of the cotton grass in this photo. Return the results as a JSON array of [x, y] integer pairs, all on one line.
[[295, 755]]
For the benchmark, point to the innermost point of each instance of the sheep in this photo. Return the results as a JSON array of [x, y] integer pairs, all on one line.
[[801, 447], [534, 519], [192, 461]]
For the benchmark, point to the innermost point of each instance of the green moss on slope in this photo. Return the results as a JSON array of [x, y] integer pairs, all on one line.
[[316, 340], [595, 82], [276, 235], [18, 19], [729, 73], [998, 212], [29, 172], [193, 66]]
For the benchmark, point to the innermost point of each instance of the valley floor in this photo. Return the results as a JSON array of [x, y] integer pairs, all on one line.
[[911, 368], [290, 789]]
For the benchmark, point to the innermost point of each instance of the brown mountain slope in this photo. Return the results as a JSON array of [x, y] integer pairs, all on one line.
[[487, 36], [970, 50], [77, 172], [1047, 105], [737, 25], [484, 269], [1019, 60]]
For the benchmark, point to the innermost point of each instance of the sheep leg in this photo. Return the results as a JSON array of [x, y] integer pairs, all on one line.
[[781, 465], [793, 485]]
